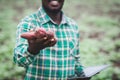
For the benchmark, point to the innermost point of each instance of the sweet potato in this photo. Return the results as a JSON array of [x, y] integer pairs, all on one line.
[[40, 32], [28, 35], [50, 34]]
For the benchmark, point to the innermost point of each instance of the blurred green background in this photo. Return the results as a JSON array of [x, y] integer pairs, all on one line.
[[99, 24]]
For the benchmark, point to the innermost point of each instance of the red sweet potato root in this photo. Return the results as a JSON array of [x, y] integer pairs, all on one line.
[[50, 34], [40, 32], [28, 35]]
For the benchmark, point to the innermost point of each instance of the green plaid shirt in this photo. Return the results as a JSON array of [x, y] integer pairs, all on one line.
[[52, 63]]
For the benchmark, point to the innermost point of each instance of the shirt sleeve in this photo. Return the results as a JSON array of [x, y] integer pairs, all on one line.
[[21, 56], [78, 66]]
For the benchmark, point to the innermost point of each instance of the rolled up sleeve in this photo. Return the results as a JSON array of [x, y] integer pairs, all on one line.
[[21, 56]]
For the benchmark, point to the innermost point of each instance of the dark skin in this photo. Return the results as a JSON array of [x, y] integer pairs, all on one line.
[[53, 9]]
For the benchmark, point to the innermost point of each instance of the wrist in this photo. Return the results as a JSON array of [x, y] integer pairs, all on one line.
[[33, 51]]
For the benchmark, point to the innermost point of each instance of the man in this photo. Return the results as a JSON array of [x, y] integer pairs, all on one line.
[[43, 57]]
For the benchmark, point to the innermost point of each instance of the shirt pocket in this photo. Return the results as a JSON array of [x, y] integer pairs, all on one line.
[[73, 42]]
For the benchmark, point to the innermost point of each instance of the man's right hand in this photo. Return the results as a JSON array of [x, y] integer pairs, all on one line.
[[39, 39]]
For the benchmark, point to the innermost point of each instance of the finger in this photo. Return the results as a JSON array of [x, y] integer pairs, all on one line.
[[53, 42], [50, 42], [31, 41], [46, 43], [41, 40]]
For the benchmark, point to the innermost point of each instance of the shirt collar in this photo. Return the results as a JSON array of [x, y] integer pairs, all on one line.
[[64, 19], [44, 18]]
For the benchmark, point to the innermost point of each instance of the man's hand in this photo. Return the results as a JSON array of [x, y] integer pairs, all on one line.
[[39, 39]]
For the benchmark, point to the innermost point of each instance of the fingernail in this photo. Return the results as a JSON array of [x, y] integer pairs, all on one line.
[[52, 39], [45, 37]]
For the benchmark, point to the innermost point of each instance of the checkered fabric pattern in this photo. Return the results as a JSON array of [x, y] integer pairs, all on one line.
[[52, 63]]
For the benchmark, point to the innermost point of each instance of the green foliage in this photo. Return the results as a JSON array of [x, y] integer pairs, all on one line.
[[99, 28]]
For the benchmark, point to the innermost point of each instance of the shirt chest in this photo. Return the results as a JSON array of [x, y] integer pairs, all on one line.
[[66, 39], [65, 34]]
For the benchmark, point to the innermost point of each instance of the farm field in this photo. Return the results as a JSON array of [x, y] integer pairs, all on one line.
[[99, 25]]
